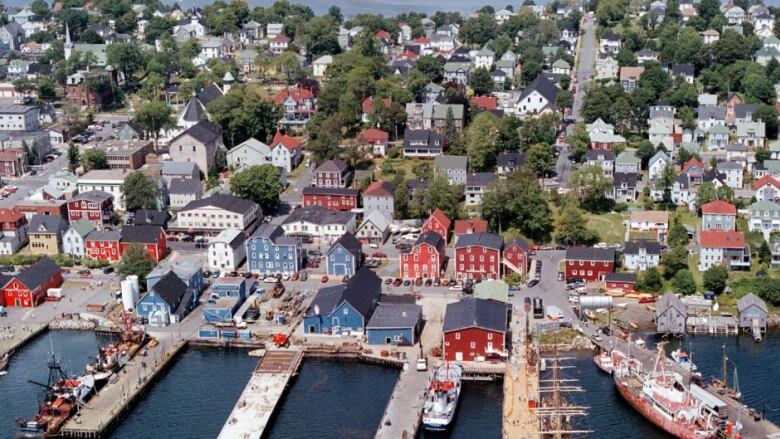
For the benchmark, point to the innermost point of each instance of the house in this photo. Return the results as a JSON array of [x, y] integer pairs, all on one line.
[[439, 223], [733, 173], [149, 237], [346, 308], [517, 256], [45, 234], [286, 151], [13, 163], [670, 314], [126, 154], [454, 167], [425, 259], [718, 137], [625, 282], [103, 245], [168, 301], [589, 264], [436, 116], [315, 222], [250, 152], [627, 163], [646, 55], [735, 15], [394, 324], [641, 254], [657, 164], [694, 169], [199, 144], [718, 215], [374, 229], [333, 173], [607, 69], [30, 207], [216, 213], [484, 59], [727, 247], [476, 185], [738, 152], [380, 195], [466, 227], [226, 251], [629, 77], [561, 67], [96, 207], [269, 251], [28, 289], [764, 217], [320, 65], [478, 256], [13, 231], [707, 116], [509, 161], [298, 106], [610, 44], [602, 158], [339, 199], [475, 330], [623, 187], [16, 117], [751, 134], [279, 44], [710, 36], [752, 312], [650, 221], [74, 238], [683, 72], [181, 192], [374, 141], [345, 256], [457, 72], [422, 143], [537, 98]]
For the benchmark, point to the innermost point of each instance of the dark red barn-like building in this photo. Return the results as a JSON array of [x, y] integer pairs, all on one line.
[[94, 206], [28, 288], [103, 245], [338, 199], [439, 223], [516, 253], [152, 238], [475, 329], [425, 258], [620, 281], [478, 256], [589, 264]]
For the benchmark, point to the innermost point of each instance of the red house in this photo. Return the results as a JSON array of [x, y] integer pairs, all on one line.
[[152, 238], [439, 223], [465, 227], [625, 282], [485, 103], [28, 288], [94, 206], [338, 199], [425, 258], [475, 329], [589, 264], [478, 256], [516, 254], [103, 245]]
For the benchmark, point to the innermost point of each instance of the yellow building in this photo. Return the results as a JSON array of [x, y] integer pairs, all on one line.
[[46, 234]]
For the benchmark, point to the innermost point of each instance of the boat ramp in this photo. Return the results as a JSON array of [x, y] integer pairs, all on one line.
[[258, 401]]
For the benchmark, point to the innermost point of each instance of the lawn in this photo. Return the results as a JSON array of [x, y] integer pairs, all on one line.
[[609, 227], [390, 167], [642, 235], [687, 218]]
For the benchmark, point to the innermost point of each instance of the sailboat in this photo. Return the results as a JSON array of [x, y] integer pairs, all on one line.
[[721, 383]]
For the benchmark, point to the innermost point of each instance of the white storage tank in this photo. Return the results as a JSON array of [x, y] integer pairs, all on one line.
[[128, 295], [595, 302], [134, 280]]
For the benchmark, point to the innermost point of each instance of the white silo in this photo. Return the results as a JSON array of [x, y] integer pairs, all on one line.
[[128, 295], [134, 280]]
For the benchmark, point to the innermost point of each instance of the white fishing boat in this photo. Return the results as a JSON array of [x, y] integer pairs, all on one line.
[[604, 361], [441, 398], [681, 357]]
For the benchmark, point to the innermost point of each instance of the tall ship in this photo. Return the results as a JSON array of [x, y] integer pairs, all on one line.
[[664, 399], [441, 398]]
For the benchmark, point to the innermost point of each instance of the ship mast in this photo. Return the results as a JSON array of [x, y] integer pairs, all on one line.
[[556, 412]]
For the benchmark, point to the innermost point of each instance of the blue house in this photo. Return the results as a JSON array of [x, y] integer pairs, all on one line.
[[168, 301], [221, 309], [232, 287], [189, 272], [345, 256], [395, 323], [269, 251], [346, 308]]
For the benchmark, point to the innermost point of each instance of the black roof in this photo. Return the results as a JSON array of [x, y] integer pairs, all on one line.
[[227, 202], [629, 178], [480, 313], [350, 243], [488, 240], [395, 316], [682, 69], [742, 110], [544, 87], [620, 277], [510, 159], [333, 165], [152, 217], [185, 186], [209, 93], [595, 154], [194, 111], [313, 190], [94, 196], [651, 247], [610, 36], [48, 224], [170, 289], [431, 238], [590, 254], [480, 179], [141, 234], [520, 243], [431, 138], [38, 273], [362, 291], [203, 131]]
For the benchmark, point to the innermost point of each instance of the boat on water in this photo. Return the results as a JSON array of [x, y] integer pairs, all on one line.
[[113, 357], [683, 359], [663, 398], [60, 400], [604, 361], [441, 398], [721, 383]]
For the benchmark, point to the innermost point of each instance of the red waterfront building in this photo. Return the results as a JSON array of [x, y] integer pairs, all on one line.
[[28, 288], [94, 206], [425, 258], [478, 256], [517, 254], [338, 199], [620, 281], [439, 223], [152, 238], [589, 264], [475, 330], [103, 245]]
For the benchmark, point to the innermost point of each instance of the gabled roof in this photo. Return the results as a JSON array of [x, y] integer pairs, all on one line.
[[209, 93], [378, 219], [194, 111], [762, 206], [590, 254], [152, 217], [718, 207], [487, 240], [141, 234], [431, 238], [395, 316], [233, 237], [655, 216], [767, 179], [627, 158], [170, 289], [690, 164], [350, 243], [203, 131], [749, 300], [47, 224], [285, 140], [520, 242], [441, 218], [620, 277], [379, 188], [510, 159], [544, 87], [670, 301], [480, 179], [476, 313], [451, 161], [297, 94], [83, 227], [38, 273], [342, 191], [104, 236], [650, 247], [179, 168], [226, 202], [185, 186], [362, 291], [463, 227], [333, 165], [721, 239]]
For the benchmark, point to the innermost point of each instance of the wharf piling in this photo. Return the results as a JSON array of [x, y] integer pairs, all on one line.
[[258, 401]]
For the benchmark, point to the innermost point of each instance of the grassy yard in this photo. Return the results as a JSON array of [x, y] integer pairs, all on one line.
[[609, 227], [642, 235], [687, 217], [390, 167]]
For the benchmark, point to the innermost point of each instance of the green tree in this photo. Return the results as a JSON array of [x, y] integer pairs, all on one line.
[[243, 113], [481, 139], [481, 82], [260, 184], [46, 89], [518, 202], [540, 160], [590, 186], [127, 58], [73, 157], [136, 262], [684, 283], [140, 192], [651, 280], [764, 254], [571, 227], [153, 117], [325, 136], [645, 152], [401, 198], [674, 261], [578, 142], [715, 278], [678, 234], [441, 195], [93, 159], [289, 66]]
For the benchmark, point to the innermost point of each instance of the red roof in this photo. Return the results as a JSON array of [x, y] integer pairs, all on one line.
[[692, 162], [368, 104], [8, 215], [9, 155], [719, 206], [297, 94], [721, 239], [441, 218], [281, 38], [372, 135], [422, 40], [382, 35], [285, 140], [767, 179], [408, 54], [485, 102], [463, 227], [380, 188]]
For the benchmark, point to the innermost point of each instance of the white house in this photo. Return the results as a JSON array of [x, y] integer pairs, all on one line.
[[641, 254], [217, 213], [607, 68], [718, 247], [733, 174], [767, 188], [610, 44], [106, 180], [320, 65], [657, 164], [718, 137], [374, 228], [764, 217], [250, 152], [285, 152], [484, 59], [73, 240], [538, 98], [319, 223], [226, 251]]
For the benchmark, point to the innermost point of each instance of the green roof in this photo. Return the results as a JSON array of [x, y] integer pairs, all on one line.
[[764, 205], [772, 165], [561, 64], [83, 227], [625, 158], [492, 289], [719, 129]]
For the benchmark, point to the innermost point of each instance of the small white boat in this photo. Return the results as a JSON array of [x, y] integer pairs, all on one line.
[[604, 362], [441, 398], [5, 372], [681, 357]]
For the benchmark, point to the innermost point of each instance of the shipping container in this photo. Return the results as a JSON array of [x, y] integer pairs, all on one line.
[[230, 334], [208, 333]]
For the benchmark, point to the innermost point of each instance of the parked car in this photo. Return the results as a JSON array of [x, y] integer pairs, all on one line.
[[286, 277], [324, 279], [445, 282], [304, 275], [215, 274], [533, 282], [397, 282], [378, 255], [407, 282], [270, 279], [436, 282], [108, 270], [418, 282]]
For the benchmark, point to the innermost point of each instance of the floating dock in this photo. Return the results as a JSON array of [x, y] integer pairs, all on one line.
[[104, 411], [521, 384], [258, 401], [404, 409]]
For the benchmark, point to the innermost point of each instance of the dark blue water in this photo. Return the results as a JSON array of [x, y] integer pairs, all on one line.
[[193, 398], [479, 413], [18, 398], [334, 399]]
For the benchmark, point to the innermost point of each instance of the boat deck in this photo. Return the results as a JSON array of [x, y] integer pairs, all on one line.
[[404, 410], [521, 386], [258, 401]]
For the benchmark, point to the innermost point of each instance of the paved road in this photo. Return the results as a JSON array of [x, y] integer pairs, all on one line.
[[294, 196], [587, 57], [31, 183]]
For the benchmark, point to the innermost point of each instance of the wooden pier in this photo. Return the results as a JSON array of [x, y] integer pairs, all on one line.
[[104, 411], [258, 401], [12, 341], [521, 385], [404, 409]]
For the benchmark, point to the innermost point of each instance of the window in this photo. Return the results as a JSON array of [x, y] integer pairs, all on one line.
[[490, 336], [473, 345], [346, 311], [457, 336]]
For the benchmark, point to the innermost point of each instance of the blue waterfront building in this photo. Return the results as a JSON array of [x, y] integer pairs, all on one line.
[[345, 256], [269, 251], [394, 324], [232, 287], [345, 308], [168, 301]]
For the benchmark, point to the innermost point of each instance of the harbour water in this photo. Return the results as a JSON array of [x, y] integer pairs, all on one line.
[[479, 413]]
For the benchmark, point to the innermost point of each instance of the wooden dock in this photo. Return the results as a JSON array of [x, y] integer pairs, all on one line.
[[258, 401], [104, 411], [404, 409], [521, 385], [19, 335]]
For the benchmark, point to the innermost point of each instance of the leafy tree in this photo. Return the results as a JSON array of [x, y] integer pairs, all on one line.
[[767, 114], [590, 186], [73, 157], [709, 9], [325, 136], [431, 66], [136, 262], [518, 202], [153, 117], [708, 192], [140, 192], [578, 141], [759, 88], [481, 82], [564, 100], [684, 283], [289, 66], [609, 12], [715, 278], [260, 184], [540, 160], [441, 195], [480, 139], [651, 280], [678, 234], [40, 8], [157, 27], [94, 159], [401, 198], [125, 57], [571, 227], [645, 152], [674, 261], [764, 254], [477, 31], [46, 89], [243, 113]]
